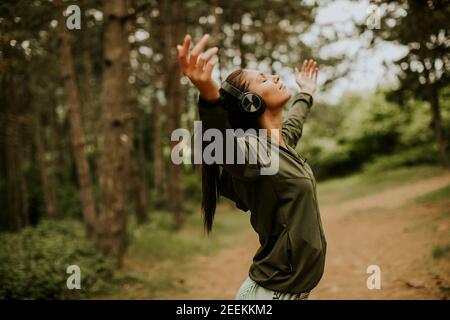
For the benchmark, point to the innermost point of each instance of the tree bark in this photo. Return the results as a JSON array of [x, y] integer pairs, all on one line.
[[55, 143], [437, 126], [172, 27], [47, 185], [77, 136], [117, 120], [158, 163], [140, 184], [23, 184], [13, 106], [12, 168]]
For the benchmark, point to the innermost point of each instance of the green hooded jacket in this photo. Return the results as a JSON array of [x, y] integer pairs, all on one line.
[[284, 207]]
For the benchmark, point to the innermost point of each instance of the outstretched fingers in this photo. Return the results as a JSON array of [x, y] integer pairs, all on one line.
[[309, 69], [199, 47], [304, 67], [183, 52], [210, 65], [312, 69], [204, 57]]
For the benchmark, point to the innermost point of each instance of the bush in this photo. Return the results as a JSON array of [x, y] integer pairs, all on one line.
[[411, 157], [33, 263]]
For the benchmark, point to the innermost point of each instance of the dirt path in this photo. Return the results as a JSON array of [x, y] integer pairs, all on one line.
[[385, 229]]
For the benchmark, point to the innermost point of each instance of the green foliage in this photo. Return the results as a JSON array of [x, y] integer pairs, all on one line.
[[192, 186], [409, 157], [156, 239], [69, 201], [33, 263], [370, 133], [369, 182]]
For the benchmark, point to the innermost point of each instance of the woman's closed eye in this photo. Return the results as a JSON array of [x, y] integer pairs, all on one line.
[[263, 78]]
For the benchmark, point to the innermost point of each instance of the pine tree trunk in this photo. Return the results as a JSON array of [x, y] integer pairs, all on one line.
[[55, 143], [159, 169], [23, 184], [12, 168], [117, 120], [437, 126], [77, 137], [140, 184], [47, 185], [172, 28], [10, 217]]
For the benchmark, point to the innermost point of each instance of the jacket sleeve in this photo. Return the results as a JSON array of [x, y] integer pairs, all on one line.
[[298, 112], [214, 116]]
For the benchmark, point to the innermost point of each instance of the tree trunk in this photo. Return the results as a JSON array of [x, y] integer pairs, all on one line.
[[117, 120], [172, 28], [12, 168], [47, 185], [437, 126], [90, 107], [23, 183], [140, 184], [77, 137], [158, 168], [13, 105], [55, 143]]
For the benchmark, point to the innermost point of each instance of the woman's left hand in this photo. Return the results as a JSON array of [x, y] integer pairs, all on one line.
[[307, 78]]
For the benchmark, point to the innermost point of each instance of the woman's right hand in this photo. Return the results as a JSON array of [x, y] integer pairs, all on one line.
[[198, 66]]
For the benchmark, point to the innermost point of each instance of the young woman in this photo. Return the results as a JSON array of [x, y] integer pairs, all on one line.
[[284, 207]]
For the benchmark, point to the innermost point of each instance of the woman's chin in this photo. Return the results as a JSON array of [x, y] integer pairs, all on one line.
[[288, 93]]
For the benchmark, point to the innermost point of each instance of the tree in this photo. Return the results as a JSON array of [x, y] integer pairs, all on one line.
[[423, 28], [117, 126], [77, 136]]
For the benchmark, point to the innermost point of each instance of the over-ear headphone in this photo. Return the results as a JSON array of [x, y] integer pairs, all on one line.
[[250, 103]]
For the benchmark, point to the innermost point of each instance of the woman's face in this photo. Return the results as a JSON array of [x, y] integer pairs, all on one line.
[[269, 87]]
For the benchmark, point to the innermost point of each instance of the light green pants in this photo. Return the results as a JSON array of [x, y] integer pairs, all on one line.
[[250, 290]]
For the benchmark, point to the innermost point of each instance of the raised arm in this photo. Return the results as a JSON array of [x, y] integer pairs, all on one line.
[[198, 66], [301, 103], [298, 112]]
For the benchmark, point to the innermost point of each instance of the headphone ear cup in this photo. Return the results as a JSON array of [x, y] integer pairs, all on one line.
[[252, 104]]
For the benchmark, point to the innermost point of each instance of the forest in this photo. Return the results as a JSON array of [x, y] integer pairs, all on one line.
[[91, 91]]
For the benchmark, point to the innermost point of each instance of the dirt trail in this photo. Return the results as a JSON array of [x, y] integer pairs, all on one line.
[[385, 229]]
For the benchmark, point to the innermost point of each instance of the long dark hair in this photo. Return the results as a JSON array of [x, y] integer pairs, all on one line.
[[211, 172]]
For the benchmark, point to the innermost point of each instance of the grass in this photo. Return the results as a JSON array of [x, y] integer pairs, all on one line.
[[156, 252], [366, 183], [156, 240], [435, 196], [441, 251]]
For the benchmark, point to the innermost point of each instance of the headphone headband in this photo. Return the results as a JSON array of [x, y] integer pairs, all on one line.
[[235, 92]]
